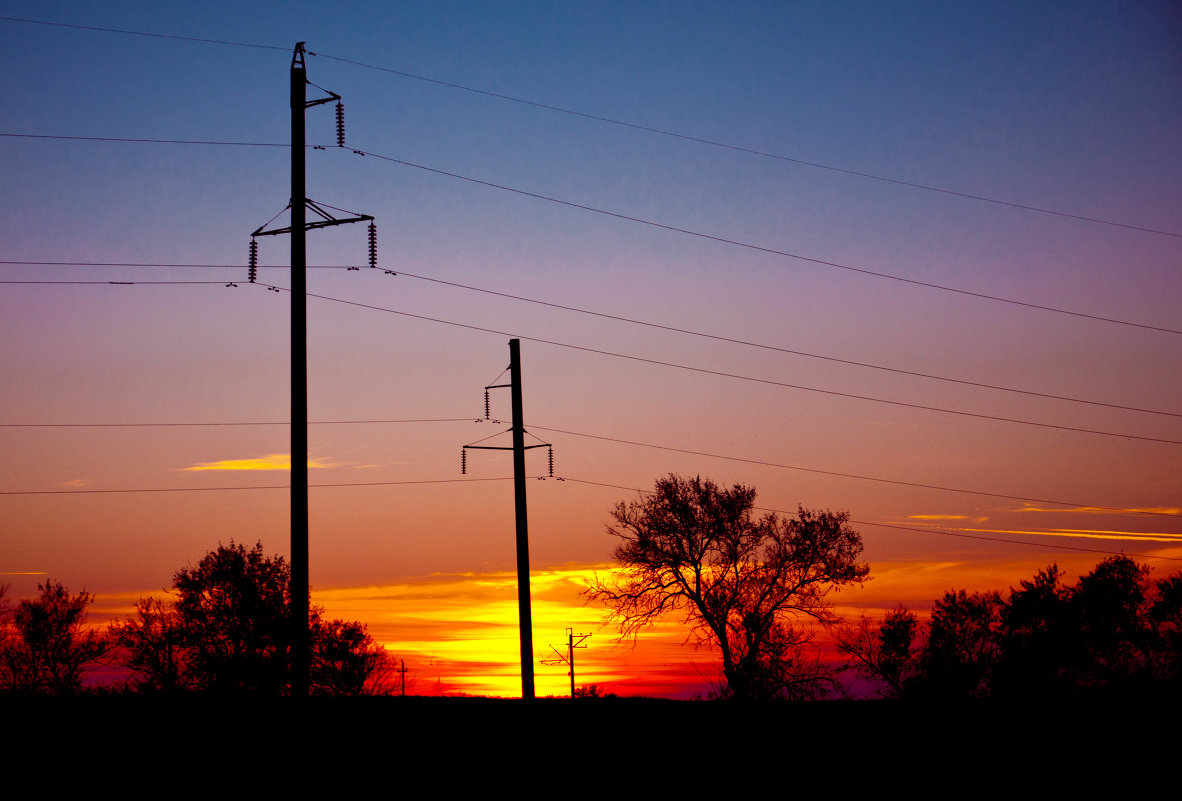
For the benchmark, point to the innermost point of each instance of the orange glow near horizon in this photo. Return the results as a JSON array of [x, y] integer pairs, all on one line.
[[458, 633]]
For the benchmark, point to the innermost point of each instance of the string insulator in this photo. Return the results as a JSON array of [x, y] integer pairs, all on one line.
[[340, 124], [551, 450], [373, 246], [486, 404], [463, 461], [253, 271]]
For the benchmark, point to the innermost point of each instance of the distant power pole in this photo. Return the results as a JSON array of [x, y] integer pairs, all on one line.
[[569, 659], [519, 448], [301, 654]]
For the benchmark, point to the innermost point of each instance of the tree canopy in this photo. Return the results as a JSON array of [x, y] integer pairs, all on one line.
[[747, 585], [1113, 630], [46, 647], [227, 629]]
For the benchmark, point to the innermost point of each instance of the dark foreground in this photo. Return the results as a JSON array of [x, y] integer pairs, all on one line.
[[816, 735]]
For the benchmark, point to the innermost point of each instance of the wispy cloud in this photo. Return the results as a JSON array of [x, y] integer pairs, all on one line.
[[1083, 533], [1093, 510], [937, 517], [272, 461], [77, 482]]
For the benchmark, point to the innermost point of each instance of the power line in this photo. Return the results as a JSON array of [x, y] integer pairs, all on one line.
[[666, 227], [706, 371], [634, 321], [740, 377], [244, 423], [855, 476], [752, 151], [616, 440], [149, 141], [944, 532], [626, 124], [252, 487], [768, 250], [144, 33], [117, 283], [778, 349]]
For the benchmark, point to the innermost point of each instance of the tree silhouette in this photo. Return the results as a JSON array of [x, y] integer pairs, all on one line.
[[1042, 648], [1110, 632], [885, 652], [47, 648], [1166, 617], [744, 584], [347, 661], [228, 630], [153, 645], [1113, 616], [234, 612], [962, 645]]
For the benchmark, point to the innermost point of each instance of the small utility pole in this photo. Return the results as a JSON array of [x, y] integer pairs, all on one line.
[[525, 618], [569, 659]]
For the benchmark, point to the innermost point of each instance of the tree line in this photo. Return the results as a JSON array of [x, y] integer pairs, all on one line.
[[1112, 632], [754, 588], [225, 628]]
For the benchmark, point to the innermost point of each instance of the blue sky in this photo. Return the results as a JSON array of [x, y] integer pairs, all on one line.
[[1072, 108]]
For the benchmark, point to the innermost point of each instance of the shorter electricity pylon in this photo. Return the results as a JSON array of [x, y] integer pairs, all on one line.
[[569, 659], [520, 509]]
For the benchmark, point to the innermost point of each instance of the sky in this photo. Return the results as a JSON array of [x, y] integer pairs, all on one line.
[[714, 168]]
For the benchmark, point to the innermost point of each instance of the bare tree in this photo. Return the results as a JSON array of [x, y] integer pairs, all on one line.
[[744, 584]]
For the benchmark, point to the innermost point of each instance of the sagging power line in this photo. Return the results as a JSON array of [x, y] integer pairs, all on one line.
[[626, 124], [607, 316]]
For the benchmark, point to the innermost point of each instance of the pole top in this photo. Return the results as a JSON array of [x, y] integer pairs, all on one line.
[[297, 57]]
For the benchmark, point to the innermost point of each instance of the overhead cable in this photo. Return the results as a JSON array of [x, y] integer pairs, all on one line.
[[736, 376], [944, 532], [625, 124], [753, 151], [645, 323], [769, 250]]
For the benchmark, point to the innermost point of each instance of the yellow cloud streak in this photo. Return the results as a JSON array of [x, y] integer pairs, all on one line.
[[1083, 533], [272, 461], [1092, 510]]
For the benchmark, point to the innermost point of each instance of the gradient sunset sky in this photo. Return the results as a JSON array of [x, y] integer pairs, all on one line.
[[1068, 108]]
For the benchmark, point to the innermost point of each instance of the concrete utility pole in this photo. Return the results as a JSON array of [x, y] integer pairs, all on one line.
[[523, 606], [301, 656], [301, 647], [519, 448]]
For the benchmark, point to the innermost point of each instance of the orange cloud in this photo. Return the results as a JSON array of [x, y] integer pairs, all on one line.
[[272, 461]]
